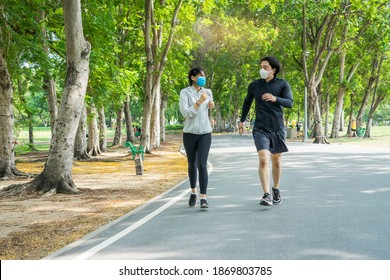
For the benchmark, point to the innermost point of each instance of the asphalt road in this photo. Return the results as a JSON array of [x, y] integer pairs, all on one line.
[[336, 202]]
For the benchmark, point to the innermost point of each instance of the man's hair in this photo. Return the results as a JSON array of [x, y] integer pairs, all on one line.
[[193, 72], [274, 62]]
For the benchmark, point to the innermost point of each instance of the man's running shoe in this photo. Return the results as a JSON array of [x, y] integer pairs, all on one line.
[[266, 200], [276, 198], [192, 201], [203, 203]]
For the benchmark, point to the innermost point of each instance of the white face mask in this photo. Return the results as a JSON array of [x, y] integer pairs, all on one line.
[[264, 73]]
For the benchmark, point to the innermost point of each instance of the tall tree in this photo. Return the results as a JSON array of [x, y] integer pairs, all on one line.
[[57, 174], [328, 28], [156, 59], [374, 91], [366, 31], [49, 84], [378, 96], [7, 142], [7, 155], [318, 34]]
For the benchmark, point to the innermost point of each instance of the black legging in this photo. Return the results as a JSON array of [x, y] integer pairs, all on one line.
[[197, 148]]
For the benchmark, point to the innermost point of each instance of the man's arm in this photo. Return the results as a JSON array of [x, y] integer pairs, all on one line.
[[286, 100], [245, 108]]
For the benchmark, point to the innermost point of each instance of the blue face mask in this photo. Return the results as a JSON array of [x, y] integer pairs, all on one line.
[[201, 81]]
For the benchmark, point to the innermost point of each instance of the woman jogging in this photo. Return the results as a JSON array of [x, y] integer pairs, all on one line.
[[195, 102]]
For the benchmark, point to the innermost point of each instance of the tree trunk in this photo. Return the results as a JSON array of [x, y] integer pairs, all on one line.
[[236, 104], [148, 102], [80, 145], [155, 120], [319, 136], [146, 117], [50, 88], [164, 104], [102, 130], [7, 142], [337, 113], [30, 134], [368, 90], [118, 129], [327, 114], [130, 135], [93, 133], [57, 174], [367, 133], [49, 84], [362, 109], [220, 124], [351, 115], [339, 99], [377, 99], [342, 122]]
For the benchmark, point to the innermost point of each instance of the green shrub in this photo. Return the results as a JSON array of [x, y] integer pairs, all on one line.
[[174, 127]]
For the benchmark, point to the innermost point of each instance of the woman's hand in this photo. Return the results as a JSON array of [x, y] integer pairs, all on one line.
[[203, 97], [211, 104]]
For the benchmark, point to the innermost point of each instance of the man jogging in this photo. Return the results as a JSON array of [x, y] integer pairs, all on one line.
[[271, 94]]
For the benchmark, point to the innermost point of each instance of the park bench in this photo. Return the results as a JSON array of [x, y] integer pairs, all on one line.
[[135, 150]]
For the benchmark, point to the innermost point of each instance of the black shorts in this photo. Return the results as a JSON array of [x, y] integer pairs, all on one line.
[[273, 141]]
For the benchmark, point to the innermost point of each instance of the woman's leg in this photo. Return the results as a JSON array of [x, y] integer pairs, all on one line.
[[203, 149], [190, 144]]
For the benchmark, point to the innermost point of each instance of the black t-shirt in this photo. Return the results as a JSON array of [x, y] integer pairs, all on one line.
[[269, 115]]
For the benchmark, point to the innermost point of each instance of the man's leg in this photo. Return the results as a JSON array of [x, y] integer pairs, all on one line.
[[276, 169], [264, 170], [276, 174]]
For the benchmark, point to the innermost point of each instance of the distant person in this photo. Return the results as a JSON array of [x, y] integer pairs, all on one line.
[[137, 132], [271, 94], [353, 128], [299, 125], [195, 102]]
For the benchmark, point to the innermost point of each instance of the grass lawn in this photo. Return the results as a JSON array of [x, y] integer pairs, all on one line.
[[380, 137], [42, 139]]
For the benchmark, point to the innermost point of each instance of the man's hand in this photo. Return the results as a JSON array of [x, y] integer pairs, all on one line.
[[268, 97]]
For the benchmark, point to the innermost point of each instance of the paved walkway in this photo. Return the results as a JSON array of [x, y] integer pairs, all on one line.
[[336, 205]]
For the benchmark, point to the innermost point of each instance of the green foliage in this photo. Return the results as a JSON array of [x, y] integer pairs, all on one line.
[[174, 127], [382, 116], [226, 37], [230, 52]]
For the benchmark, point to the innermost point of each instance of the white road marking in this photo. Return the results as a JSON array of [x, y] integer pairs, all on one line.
[[129, 229]]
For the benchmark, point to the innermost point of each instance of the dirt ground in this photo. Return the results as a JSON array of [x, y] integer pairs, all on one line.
[[33, 227]]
